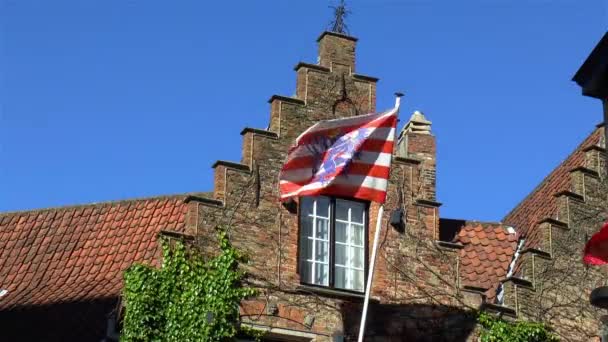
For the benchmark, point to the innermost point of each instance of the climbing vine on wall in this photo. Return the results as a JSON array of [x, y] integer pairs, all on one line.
[[498, 330], [188, 298]]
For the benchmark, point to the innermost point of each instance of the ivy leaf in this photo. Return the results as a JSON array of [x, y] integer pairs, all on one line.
[[174, 303]]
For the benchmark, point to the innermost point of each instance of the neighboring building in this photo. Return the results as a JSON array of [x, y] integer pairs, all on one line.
[[63, 267], [593, 75]]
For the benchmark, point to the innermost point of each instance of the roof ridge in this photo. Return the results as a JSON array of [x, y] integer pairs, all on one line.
[[579, 147], [97, 204], [497, 223], [500, 223]]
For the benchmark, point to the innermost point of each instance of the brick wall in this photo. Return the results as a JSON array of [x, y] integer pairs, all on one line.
[[414, 289], [417, 291], [567, 207]]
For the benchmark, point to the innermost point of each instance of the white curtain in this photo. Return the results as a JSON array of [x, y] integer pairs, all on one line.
[[349, 245], [349, 242], [314, 240]]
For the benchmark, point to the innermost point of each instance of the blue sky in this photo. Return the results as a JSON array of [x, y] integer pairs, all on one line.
[[105, 100]]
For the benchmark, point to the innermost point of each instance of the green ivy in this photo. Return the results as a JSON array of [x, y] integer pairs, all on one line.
[[498, 330], [187, 299]]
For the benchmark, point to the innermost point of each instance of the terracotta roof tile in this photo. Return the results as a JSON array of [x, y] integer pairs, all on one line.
[[75, 256], [541, 202], [487, 252]]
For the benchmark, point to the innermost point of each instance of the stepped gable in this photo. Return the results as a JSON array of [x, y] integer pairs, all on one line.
[[246, 194], [542, 202], [488, 249], [63, 267]]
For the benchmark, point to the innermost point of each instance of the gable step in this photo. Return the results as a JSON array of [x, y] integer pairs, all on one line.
[[570, 194], [595, 148], [250, 144], [406, 161], [176, 235], [205, 201], [260, 132], [427, 203], [552, 230], [472, 288], [554, 222], [520, 282], [499, 309], [579, 177], [286, 99], [311, 66], [473, 296], [585, 170], [232, 165], [220, 177], [531, 261], [449, 245], [538, 252], [595, 158], [366, 78], [564, 203]]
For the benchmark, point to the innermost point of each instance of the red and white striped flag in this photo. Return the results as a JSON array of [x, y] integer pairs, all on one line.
[[596, 249], [344, 157]]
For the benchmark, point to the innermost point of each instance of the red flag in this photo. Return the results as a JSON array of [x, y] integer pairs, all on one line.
[[596, 249], [348, 157]]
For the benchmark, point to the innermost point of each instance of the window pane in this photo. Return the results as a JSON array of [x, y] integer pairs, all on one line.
[[339, 277], [357, 280], [306, 252], [341, 231], [322, 229], [306, 204], [347, 248], [342, 209], [321, 251], [357, 212], [305, 271], [322, 206], [357, 235], [305, 244], [321, 274], [340, 254], [306, 226], [357, 254]]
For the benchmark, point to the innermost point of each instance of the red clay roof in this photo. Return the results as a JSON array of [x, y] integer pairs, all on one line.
[[487, 253], [76, 255], [541, 202]]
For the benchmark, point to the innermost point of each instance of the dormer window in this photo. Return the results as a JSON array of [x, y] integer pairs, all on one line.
[[333, 243]]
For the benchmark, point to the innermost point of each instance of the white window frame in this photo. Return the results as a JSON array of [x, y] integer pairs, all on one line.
[[331, 264], [314, 217], [350, 248]]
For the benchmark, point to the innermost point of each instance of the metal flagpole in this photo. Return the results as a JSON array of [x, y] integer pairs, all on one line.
[[370, 276]]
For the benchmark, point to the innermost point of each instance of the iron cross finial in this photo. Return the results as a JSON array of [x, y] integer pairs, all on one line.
[[338, 25]]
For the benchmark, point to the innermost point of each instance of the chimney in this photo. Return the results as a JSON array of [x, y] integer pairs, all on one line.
[[417, 142]]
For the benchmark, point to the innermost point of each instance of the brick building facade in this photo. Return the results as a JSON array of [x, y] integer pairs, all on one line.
[[432, 273]]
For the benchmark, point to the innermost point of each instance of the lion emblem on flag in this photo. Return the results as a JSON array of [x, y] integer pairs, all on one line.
[[335, 151]]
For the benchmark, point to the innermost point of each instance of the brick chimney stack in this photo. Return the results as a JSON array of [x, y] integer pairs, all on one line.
[[417, 142]]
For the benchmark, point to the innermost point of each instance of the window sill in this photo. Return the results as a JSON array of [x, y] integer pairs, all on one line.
[[333, 293]]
